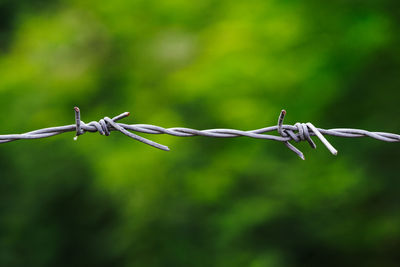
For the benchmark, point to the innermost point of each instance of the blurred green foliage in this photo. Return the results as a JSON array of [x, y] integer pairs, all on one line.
[[200, 64]]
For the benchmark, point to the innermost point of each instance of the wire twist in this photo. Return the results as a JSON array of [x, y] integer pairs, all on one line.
[[298, 132]]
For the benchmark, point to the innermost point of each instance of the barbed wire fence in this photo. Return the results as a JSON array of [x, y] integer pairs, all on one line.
[[298, 132]]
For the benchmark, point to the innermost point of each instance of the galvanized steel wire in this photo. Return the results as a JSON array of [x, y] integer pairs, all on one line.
[[297, 132]]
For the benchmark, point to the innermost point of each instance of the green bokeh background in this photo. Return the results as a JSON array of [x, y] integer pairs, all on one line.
[[199, 64]]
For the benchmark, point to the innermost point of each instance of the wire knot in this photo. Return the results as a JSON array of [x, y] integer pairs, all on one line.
[[106, 125], [102, 126], [304, 132]]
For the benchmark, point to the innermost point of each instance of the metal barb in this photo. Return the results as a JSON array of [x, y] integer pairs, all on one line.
[[282, 132], [77, 122], [322, 138], [297, 132]]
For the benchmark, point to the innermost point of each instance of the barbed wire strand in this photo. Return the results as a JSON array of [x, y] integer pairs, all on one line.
[[297, 132]]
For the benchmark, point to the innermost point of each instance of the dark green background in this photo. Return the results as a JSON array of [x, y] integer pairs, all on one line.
[[199, 64]]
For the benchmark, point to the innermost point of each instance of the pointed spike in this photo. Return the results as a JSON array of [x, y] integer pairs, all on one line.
[[322, 138], [295, 150], [78, 121], [280, 122]]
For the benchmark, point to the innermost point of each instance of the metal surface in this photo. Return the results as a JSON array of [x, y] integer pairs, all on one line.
[[298, 132]]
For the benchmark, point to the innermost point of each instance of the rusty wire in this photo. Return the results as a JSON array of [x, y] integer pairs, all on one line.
[[297, 132]]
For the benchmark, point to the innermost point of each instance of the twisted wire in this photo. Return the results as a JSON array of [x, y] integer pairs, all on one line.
[[298, 132]]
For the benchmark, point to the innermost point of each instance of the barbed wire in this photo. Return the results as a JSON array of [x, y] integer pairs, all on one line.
[[297, 132]]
